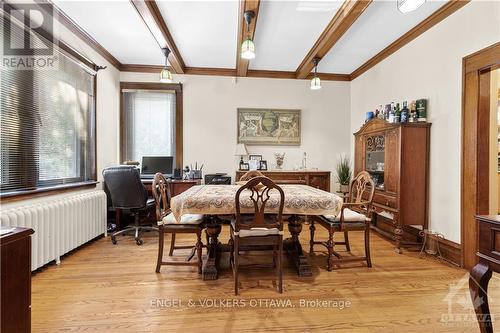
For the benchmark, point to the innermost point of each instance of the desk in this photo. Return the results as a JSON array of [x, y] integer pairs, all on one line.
[[488, 227], [176, 187], [218, 200]]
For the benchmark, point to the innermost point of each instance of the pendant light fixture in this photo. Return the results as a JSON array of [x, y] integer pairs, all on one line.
[[165, 74], [406, 6], [315, 82], [248, 47]]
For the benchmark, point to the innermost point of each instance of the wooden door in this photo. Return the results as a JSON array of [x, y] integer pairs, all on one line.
[[391, 170]]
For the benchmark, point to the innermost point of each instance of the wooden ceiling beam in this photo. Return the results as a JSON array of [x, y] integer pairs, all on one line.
[[340, 23], [245, 5], [446, 10], [150, 13], [270, 74]]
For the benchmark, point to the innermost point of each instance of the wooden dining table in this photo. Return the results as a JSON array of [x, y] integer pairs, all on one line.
[[217, 201]]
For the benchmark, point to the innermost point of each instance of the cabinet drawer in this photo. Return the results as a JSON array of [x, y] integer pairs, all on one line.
[[385, 200]]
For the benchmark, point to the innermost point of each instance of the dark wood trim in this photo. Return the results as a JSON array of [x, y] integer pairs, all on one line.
[[81, 33], [179, 138], [141, 68], [474, 196], [446, 10], [151, 15], [450, 250], [45, 191], [232, 72], [350, 11], [245, 5]]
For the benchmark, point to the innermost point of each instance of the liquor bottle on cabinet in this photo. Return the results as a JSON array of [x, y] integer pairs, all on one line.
[[404, 113], [397, 114], [422, 110]]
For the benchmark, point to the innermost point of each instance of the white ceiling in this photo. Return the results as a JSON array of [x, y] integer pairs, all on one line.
[[205, 31], [379, 26], [286, 31], [117, 26]]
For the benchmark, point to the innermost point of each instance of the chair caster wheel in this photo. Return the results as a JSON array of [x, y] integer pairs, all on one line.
[[113, 240], [139, 241]]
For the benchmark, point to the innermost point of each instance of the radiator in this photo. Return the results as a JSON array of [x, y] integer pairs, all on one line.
[[60, 225]]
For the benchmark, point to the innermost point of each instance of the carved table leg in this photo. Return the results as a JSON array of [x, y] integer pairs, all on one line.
[[211, 263], [398, 235], [294, 249], [478, 286]]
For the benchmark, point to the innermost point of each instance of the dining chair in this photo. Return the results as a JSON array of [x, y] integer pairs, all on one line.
[[355, 215], [251, 174], [167, 224], [259, 230]]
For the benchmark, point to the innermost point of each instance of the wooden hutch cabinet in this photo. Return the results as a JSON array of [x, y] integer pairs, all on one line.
[[397, 157]]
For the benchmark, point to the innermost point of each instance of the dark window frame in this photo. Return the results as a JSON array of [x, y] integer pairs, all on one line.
[[177, 88]]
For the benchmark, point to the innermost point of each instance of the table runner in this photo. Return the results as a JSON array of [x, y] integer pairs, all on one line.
[[219, 200]]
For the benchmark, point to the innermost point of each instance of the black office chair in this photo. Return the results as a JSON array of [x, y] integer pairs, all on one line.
[[128, 193]]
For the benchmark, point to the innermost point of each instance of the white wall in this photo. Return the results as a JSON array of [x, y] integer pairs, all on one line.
[[210, 105], [431, 67]]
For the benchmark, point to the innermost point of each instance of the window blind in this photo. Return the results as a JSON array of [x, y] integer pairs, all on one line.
[[47, 123], [149, 124]]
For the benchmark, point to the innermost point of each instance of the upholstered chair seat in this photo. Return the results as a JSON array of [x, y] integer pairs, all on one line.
[[185, 219]]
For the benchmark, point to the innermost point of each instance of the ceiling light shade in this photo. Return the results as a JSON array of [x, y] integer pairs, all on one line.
[[315, 83], [248, 49], [166, 76], [406, 6]]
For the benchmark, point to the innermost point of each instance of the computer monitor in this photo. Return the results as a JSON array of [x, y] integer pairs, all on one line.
[[153, 164]]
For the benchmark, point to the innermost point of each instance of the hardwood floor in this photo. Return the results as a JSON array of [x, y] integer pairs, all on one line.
[[105, 288]]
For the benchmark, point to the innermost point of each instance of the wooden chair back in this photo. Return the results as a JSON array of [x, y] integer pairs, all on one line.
[[160, 193], [362, 189], [257, 190], [251, 174]]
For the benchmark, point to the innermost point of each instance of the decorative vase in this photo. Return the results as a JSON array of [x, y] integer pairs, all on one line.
[[279, 159], [344, 188]]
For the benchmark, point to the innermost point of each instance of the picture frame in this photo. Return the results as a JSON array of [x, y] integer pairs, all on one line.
[[244, 167], [276, 127], [255, 157], [254, 164], [263, 165]]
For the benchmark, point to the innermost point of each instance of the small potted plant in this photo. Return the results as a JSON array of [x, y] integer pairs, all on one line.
[[344, 173]]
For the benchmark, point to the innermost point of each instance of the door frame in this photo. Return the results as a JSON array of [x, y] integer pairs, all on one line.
[[474, 196]]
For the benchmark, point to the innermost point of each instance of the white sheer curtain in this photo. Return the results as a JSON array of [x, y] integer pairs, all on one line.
[[149, 124]]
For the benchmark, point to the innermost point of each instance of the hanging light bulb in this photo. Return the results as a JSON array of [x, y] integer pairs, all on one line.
[[406, 6], [165, 74], [248, 47], [315, 82]]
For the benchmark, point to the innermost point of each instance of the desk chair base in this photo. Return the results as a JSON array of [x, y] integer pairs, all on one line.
[[137, 231]]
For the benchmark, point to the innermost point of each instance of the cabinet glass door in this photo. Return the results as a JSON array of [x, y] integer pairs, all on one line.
[[375, 159]]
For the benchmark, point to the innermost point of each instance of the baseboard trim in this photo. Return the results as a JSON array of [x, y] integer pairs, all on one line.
[[450, 250]]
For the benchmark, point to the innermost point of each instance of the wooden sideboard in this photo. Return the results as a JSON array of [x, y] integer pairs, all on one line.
[[488, 231], [15, 249], [397, 157], [317, 179]]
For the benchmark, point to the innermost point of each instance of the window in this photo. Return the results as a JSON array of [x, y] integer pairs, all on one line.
[[47, 124], [151, 121]]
